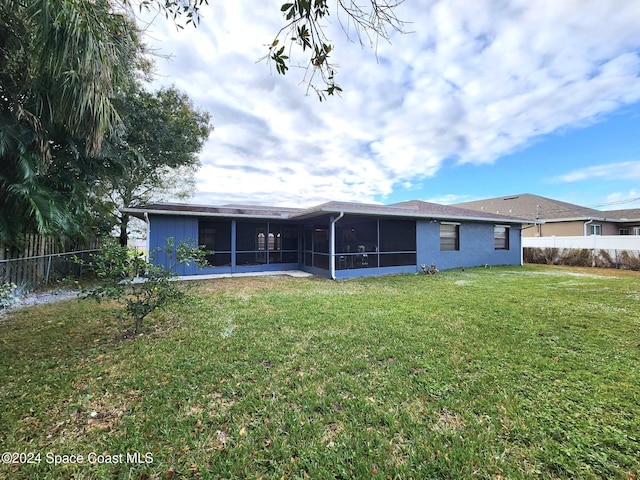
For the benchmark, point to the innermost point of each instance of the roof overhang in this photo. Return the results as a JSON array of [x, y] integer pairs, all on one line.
[[142, 212]]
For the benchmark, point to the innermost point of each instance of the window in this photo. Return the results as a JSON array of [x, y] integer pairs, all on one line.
[[623, 231], [595, 229], [216, 236], [501, 237], [449, 237], [636, 230]]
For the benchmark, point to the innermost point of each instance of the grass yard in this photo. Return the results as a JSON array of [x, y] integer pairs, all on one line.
[[530, 372]]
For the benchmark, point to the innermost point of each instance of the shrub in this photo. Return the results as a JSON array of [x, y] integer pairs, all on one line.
[[603, 259], [550, 255], [629, 260], [7, 296], [576, 257], [140, 286], [545, 256]]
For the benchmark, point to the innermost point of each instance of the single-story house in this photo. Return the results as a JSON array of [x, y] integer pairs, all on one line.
[[336, 240], [548, 217]]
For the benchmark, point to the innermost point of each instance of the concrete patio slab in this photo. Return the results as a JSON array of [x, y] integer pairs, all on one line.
[[290, 273]]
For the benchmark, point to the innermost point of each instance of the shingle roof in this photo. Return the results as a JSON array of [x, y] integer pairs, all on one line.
[[532, 207], [456, 211], [624, 214], [411, 209]]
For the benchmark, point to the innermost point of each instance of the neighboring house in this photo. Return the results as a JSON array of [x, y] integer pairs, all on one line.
[[627, 220], [336, 239], [548, 217]]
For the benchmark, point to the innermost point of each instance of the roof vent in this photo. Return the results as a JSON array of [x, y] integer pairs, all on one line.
[[511, 198]]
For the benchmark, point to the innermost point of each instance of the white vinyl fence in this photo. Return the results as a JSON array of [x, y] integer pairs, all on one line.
[[592, 242], [613, 251]]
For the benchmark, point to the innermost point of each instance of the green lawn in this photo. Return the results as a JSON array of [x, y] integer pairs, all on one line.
[[530, 372]]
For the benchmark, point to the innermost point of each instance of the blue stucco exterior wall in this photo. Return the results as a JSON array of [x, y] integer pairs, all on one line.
[[180, 228], [476, 246]]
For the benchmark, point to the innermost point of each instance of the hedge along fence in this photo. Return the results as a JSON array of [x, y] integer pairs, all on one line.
[[583, 257], [40, 261]]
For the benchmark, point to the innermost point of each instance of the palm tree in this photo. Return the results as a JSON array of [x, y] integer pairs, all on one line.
[[61, 61]]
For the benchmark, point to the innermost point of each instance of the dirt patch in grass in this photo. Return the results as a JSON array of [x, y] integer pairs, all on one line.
[[593, 272], [447, 421]]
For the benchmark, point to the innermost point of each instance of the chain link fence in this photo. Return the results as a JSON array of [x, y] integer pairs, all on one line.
[[35, 272]]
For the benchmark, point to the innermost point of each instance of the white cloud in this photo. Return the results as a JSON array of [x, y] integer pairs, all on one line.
[[611, 171], [621, 200], [450, 198], [476, 80]]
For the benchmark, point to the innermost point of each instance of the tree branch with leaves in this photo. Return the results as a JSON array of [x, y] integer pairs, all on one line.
[[304, 30]]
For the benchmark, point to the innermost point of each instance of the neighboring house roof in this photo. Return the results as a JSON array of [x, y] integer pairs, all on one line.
[[545, 210], [533, 207], [412, 209], [440, 211], [624, 215]]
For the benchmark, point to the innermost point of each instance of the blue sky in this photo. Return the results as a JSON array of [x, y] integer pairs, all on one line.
[[482, 99], [595, 165]]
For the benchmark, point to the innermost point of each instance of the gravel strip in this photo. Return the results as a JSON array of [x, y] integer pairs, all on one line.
[[40, 298]]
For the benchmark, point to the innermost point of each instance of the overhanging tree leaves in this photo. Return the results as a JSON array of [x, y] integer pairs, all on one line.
[[370, 21]]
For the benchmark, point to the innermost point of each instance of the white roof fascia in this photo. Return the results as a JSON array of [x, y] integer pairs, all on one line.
[[577, 219]]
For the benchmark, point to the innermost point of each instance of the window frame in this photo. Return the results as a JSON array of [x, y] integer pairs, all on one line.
[[501, 236], [445, 240]]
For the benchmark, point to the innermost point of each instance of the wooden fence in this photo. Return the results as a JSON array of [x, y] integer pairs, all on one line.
[[41, 261]]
